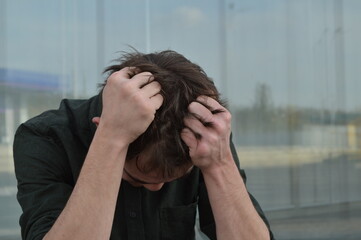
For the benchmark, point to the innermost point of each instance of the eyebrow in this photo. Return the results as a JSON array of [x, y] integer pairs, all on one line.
[[143, 182]]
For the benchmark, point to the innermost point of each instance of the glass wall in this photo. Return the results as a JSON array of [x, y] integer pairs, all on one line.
[[289, 70]]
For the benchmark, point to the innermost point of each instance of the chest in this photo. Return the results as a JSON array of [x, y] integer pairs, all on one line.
[[166, 214]]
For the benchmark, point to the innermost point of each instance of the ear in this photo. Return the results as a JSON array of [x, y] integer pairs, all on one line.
[[96, 120]]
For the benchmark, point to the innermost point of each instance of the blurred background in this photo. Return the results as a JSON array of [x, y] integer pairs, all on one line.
[[289, 69]]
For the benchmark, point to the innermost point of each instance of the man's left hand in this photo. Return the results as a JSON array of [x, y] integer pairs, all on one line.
[[207, 133]]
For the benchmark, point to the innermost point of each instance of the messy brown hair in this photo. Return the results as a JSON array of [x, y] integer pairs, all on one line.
[[182, 82]]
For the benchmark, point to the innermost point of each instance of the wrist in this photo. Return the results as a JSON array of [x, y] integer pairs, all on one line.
[[223, 182], [110, 140], [111, 136], [217, 166], [219, 170]]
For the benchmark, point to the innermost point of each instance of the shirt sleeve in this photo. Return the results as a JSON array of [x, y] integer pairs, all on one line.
[[206, 218], [43, 186]]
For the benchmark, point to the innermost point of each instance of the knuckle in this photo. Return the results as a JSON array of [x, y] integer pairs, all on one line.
[[213, 138], [138, 99], [116, 79], [147, 109], [222, 126], [228, 116], [126, 84], [112, 77], [144, 106], [146, 73], [157, 85], [192, 105], [125, 88]]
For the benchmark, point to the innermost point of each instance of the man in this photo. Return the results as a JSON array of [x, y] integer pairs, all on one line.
[[135, 161]]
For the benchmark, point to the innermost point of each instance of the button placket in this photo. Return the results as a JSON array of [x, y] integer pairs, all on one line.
[[134, 220], [132, 214]]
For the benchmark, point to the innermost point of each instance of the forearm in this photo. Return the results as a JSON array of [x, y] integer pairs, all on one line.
[[90, 209], [234, 213]]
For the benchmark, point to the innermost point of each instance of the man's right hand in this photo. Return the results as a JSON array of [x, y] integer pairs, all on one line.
[[129, 104]]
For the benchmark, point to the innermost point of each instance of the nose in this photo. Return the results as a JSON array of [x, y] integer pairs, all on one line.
[[154, 187]]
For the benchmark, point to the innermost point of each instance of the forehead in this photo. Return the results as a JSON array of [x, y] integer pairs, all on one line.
[[156, 169], [141, 178], [148, 162]]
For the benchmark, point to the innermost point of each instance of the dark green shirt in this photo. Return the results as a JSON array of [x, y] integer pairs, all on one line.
[[49, 151]]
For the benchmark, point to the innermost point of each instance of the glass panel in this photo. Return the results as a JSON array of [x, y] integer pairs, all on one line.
[[292, 85], [289, 70]]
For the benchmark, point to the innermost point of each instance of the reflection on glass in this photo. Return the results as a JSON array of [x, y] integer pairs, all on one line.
[[289, 69]]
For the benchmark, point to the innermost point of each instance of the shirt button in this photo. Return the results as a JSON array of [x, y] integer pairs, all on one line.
[[132, 214]]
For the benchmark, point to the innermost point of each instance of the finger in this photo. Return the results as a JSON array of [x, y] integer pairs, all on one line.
[[157, 101], [196, 126], [151, 89], [202, 113], [142, 79], [210, 103], [127, 72], [189, 138]]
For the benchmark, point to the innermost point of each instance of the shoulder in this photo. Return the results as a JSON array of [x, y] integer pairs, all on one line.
[[53, 138], [66, 130]]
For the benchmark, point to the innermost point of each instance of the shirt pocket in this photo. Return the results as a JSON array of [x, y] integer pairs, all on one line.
[[177, 223]]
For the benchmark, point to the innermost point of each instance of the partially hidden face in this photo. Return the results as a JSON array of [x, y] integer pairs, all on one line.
[[152, 180]]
